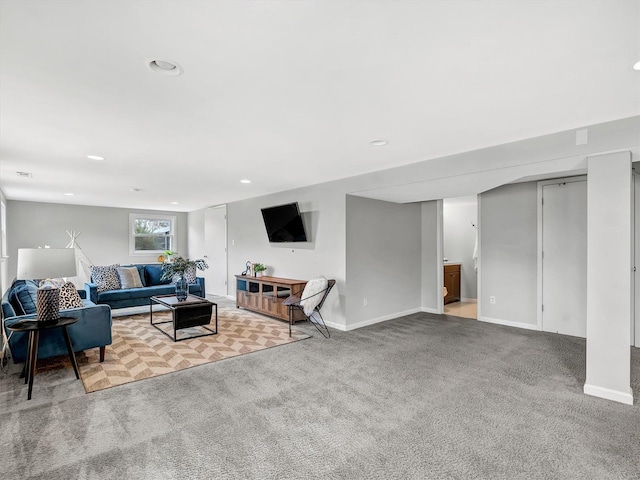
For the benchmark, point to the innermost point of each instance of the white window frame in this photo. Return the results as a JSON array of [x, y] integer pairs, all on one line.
[[132, 235]]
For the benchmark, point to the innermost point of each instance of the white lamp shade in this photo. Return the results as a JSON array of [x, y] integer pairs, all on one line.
[[40, 263]]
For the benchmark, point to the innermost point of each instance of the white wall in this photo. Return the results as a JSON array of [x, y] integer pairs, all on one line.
[[4, 260], [195, 234], [508, 219], [609, 297], [459, 216], [104, 236], [384, 259], [323, 211], [431, 259]]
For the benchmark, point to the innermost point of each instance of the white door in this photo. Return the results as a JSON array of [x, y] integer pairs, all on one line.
[[564, 258], [215, 250]]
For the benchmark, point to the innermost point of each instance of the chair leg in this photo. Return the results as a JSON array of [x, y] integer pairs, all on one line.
[[317, 325], [102, 349]]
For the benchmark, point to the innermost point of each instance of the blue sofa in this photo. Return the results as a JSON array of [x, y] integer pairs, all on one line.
[[92, 330], [150, 275]]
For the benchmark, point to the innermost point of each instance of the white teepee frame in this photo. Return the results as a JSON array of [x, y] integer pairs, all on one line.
[[83, 263]]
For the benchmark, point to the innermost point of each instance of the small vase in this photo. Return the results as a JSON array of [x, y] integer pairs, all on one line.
[[182, 288]]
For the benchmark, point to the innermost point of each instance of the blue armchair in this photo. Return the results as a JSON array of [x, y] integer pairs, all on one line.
[[92, 330]]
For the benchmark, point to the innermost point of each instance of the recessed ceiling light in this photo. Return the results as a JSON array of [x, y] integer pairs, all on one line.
[[245, 181], [164, 67], [636, 66], [95, 157], [175, 203], [378, 143], [69, 194]]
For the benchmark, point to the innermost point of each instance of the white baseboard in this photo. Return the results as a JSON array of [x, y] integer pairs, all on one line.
[[336, 326], [509, 323], [231, 297], [469, 300], [384, 318], [608, 394], [430, 310]]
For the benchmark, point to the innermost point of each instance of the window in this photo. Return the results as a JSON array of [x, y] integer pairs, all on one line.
[[151, 233]]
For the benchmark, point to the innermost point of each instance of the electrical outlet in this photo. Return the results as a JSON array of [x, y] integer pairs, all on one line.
[[365, 302], [492, 300]]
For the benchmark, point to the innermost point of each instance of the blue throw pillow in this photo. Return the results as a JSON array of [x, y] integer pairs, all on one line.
[[23, 297], [143, 277], [153, 273]]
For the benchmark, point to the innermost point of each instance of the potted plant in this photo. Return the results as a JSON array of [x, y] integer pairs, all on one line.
[[259, 269], [177, 269]]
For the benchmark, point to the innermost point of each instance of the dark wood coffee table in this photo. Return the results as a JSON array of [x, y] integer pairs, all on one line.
[[189, 313]]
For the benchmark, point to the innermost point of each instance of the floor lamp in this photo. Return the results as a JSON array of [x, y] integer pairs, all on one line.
[[43, 263]]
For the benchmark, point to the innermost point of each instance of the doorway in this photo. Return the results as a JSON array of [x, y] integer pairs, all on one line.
[[215, 248], [460, 255], [562, 256]]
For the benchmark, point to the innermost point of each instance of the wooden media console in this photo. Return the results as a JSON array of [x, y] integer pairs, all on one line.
[[266, 295]]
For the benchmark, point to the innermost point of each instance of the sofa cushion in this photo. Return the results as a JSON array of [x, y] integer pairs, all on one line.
[[129, 277], [132, 293], [23, 297], [154, 273], [106, 277], [69, 297]]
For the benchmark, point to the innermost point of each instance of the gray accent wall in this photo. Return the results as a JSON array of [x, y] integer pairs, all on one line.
[[384, 255], [104, 232], [509, 226]]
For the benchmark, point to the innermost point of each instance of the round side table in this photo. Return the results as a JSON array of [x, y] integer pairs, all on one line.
[[33, 328]]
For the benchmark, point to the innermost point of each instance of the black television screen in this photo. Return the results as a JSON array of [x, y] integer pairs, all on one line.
[[284, 223]]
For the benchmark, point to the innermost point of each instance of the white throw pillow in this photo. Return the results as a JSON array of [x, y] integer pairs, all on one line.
[[312, 296], [129, 277]]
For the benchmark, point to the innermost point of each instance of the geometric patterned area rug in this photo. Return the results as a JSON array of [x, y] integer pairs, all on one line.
[[140, 351]]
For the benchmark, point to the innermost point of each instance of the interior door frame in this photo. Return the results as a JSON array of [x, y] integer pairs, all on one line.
[[226, 243], [440, 253], [635, 298], [541, 184]]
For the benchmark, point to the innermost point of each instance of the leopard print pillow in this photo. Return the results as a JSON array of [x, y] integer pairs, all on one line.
[[189, 276], [106, 278], [69, 297]]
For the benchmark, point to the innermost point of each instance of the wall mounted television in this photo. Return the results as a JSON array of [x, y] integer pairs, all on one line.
[[284, 223]]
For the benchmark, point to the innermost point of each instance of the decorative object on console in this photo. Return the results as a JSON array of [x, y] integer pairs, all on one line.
[[259, 269], [36, 263], [178, 269], [248, 269]]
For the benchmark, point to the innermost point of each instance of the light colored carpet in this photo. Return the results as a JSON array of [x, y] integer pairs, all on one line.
[[420, 397]]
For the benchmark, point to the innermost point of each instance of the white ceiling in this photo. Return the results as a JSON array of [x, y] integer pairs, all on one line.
[[290, 93]]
